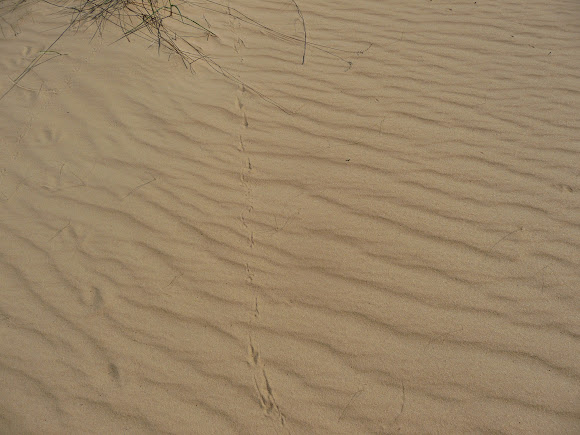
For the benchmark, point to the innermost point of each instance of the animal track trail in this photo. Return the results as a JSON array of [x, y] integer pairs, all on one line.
[[264, 390], [246, 169]]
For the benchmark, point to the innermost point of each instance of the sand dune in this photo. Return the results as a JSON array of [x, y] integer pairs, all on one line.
[[384, 239]]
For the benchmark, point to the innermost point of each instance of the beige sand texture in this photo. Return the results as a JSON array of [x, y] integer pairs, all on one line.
[[390, 245]]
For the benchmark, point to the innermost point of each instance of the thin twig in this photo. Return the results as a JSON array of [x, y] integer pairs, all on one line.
[[505, 237], [60, 231], [349, 402], [139, 186], [304, 26]]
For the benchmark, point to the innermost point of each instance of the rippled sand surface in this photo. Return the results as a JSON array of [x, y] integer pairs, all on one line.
[[384, 239]]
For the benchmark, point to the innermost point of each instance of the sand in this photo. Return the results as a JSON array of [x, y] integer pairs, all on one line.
[[384, 239]]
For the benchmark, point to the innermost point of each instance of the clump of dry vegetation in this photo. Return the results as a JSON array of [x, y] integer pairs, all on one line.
[[161, 23]]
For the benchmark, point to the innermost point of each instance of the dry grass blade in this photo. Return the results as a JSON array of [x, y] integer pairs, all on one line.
[[304, 26]]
